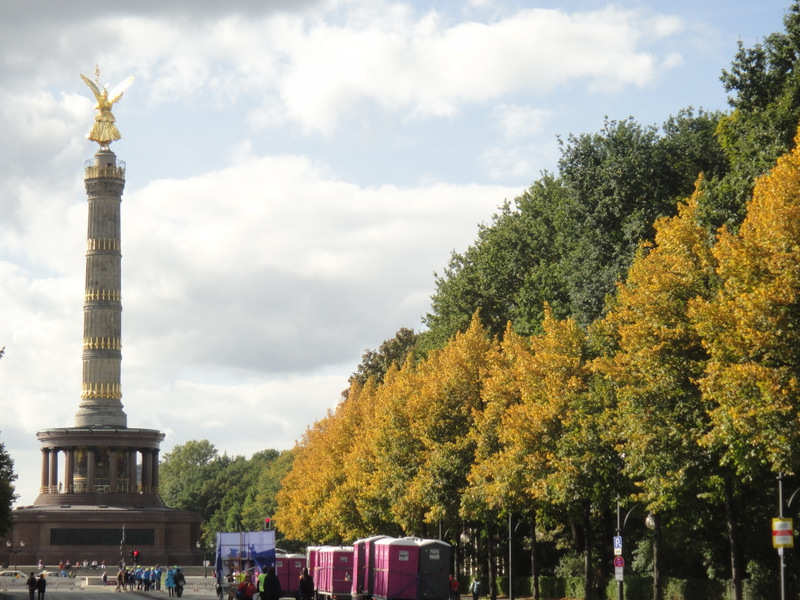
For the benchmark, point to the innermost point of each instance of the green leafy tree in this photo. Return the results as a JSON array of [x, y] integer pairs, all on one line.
[[7, 493], [187, 474], [764, 83], [394, 351], [569, 238]]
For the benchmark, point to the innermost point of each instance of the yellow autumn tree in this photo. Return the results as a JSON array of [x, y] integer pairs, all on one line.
[[751, 329]]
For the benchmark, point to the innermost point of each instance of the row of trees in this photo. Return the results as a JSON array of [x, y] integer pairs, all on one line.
[[683, 397], [622, 330], [231, 493]]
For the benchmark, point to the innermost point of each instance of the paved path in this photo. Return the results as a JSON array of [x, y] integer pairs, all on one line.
[[198, 589]]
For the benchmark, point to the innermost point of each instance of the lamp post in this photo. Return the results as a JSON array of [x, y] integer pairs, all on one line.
[[198, 545], [11, 549]]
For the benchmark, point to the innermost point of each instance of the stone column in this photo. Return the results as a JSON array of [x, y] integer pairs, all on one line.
[[90, 464], [53, 487], [147, 471], [155, 471], [101, 395], [112, 470], [69, 470], [132, 486], [45, 485]]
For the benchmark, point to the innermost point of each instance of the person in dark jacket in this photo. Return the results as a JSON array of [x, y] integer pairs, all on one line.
[[306, 586], [272, 586], [41, 586], [31, 583]]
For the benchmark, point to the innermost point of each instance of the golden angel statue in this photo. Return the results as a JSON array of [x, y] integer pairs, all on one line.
[[104, 131]]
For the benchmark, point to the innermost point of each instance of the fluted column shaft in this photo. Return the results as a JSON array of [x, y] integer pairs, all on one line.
[[101, 396]]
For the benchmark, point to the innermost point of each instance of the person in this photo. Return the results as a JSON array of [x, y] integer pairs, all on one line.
[[120, 580], [157, 576], [453, 588], [31, 583], [272, 586], [180, 581], [41, 586], [306, 588], [475, 588], [260, 581], [246, 589], [105, 578], [170, 582]]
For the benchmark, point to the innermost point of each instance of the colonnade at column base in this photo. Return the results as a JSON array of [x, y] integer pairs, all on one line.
[[101, 466]]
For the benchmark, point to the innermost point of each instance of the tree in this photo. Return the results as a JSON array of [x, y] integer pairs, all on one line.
[[394, 351], [554, 433], [764, 82], [658, 419], [751, 329], [187, 474], [7, 493], [568, 239]]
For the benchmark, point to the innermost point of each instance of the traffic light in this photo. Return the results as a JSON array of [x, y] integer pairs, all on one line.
[[135, 556], [267, 523]]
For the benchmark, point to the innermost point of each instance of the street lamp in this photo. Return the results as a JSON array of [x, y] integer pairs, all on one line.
[[198, 545], [11, 549]]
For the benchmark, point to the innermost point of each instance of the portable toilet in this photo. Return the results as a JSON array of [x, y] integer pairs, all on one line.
[[335, 570], [434, 570], [288, 568], [396, 569], [364, 565], [311, 562]]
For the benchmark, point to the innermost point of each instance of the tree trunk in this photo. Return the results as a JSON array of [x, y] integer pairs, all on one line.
[[733, 538], [534, 561], [491, 560], [588, 574]]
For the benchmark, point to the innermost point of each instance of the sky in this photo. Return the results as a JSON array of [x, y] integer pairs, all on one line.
[[297, 173]]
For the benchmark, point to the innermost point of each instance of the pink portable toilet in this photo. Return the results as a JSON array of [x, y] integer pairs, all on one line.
[[335, 570], [288, 568], [296, 563], [364, 565], [312, 553], [396, 569], [280, 570]]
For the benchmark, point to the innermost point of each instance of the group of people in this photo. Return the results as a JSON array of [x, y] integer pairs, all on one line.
[[147, 579], [36, 585], [267, 586]]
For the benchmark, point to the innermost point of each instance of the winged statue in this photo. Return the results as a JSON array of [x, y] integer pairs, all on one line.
[[104, 131]]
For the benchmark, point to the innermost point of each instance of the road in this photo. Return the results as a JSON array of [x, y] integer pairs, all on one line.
[[197, 589]]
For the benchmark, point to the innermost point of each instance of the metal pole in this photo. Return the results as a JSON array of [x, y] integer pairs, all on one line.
[[780, 550], [510, 557], [619, 533]]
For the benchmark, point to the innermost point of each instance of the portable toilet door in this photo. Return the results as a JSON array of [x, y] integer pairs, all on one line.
[[295, 565], [396, 569], [434, 570]]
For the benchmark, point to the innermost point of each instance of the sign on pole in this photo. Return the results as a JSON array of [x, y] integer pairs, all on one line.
[[782, 533], [617, 545]]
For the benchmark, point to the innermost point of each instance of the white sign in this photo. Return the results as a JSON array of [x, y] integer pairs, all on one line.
[[618, 573], [782, 533]]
